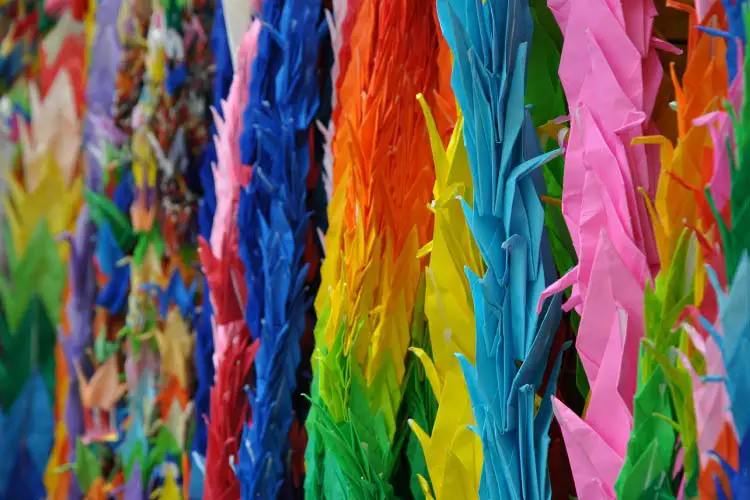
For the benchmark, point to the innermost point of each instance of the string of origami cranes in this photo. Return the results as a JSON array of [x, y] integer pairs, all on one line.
[[326, 249]]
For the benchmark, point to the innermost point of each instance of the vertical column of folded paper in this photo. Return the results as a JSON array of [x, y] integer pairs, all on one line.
[[42, 202], [204, 342], [178, 125], [65, 48], [317, 206], [371, 275], [687, 239], [490, 43], [148, 260], [76, 337], [122, 318], [100, 395], [200, 68], [233, 352], [730, 331], [611, 73], [319, 185], [444, 456], [31, 294], [341, 20], [452, 450], [273, 232], [421, 399], [108, 202], [99, 373]]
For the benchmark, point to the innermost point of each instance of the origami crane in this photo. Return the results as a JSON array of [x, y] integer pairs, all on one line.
[[176, 293], [36, 272], [175, 347], [54, 131], [99, 395], [26, 209], [113, 296]]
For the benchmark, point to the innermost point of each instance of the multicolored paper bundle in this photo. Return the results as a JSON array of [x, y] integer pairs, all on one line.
[[357, 249], [370, 308]]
